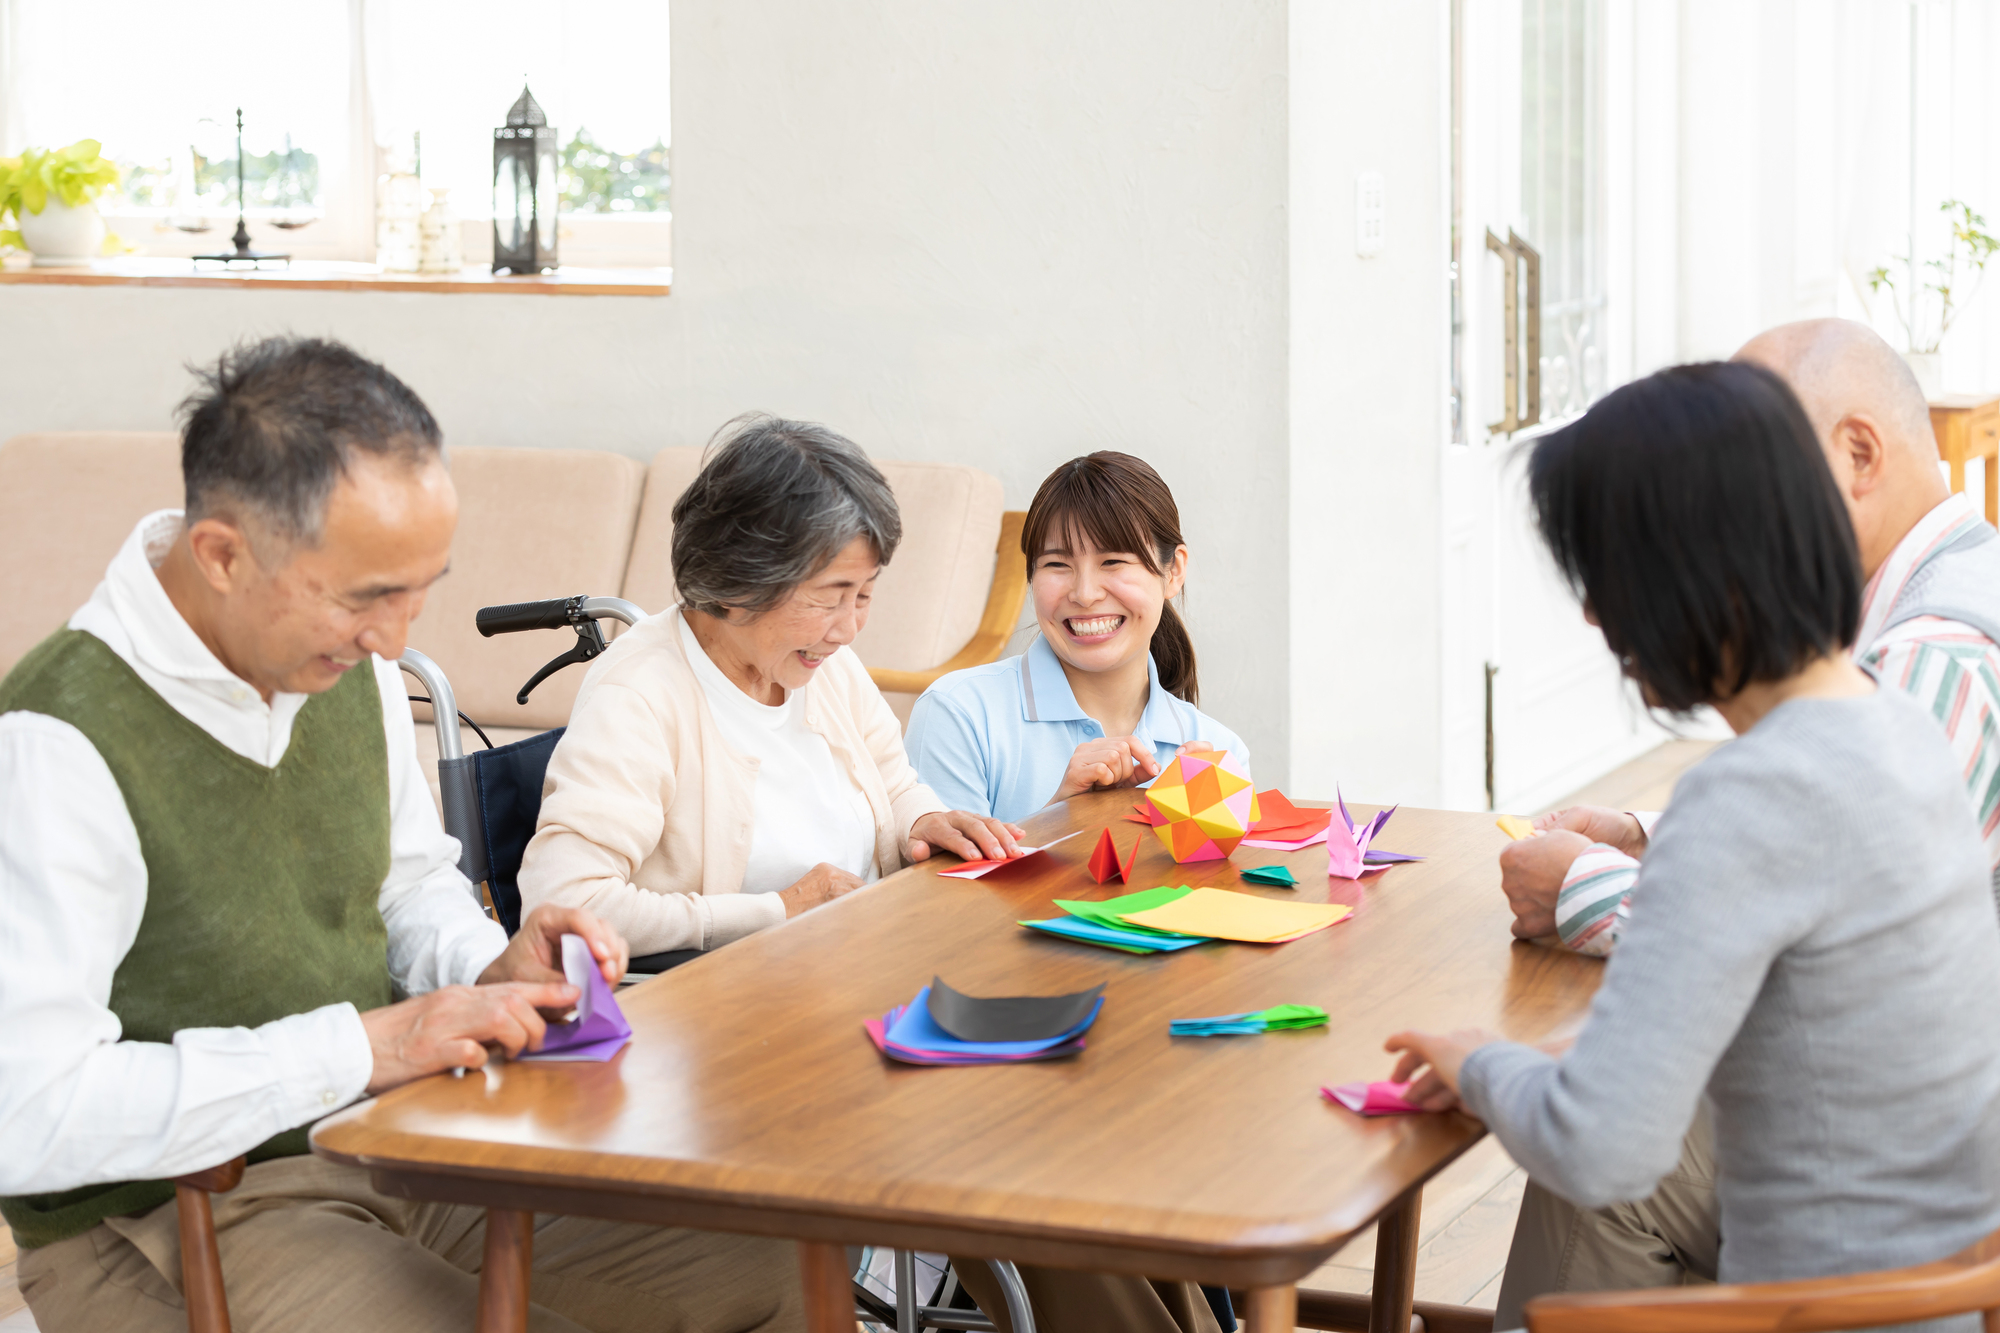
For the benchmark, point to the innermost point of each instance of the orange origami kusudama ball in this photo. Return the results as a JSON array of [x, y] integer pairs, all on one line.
[[1203, 805]]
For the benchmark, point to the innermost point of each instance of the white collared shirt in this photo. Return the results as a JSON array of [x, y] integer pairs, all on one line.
[[78, 1106]]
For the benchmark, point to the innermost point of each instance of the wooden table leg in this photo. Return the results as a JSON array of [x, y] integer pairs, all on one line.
[[1272, 1309], [828, 1288], [1395, 1266], [503, 1273]]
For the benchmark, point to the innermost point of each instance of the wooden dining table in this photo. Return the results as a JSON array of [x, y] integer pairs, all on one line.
[[750, 1099]]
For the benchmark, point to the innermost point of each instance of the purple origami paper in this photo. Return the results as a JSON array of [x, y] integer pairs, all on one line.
[[599, 1028]]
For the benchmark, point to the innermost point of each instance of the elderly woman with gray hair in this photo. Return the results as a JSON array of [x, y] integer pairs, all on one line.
[[728, 764]]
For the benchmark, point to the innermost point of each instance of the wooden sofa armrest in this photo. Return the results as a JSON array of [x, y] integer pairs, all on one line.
[[1967, 1281], [201, 1260], [996, 623]]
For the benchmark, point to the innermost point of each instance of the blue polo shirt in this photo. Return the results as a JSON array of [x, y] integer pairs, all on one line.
[[996, 739]]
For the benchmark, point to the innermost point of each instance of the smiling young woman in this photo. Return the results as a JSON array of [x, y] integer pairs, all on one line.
[[1105, 695]]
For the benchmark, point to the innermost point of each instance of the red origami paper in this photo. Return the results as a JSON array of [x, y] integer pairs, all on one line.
[[1106, 863]]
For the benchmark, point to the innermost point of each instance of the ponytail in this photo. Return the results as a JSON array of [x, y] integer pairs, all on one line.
[[1121, 504], [1173, 654]]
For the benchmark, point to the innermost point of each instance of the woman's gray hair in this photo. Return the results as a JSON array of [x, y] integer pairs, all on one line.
[[775, 502]]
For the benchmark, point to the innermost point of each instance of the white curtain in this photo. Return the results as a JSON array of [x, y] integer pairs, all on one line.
[[11, 128]]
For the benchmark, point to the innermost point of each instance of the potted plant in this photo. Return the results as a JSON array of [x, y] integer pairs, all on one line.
[[1971, 247], [52, 195]]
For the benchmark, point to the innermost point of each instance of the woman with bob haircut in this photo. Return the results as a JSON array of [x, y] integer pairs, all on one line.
[[729, 763], [1816, 954], [1105, 695]]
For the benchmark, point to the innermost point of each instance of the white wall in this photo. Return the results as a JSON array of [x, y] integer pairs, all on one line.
[[959, 231], [1367, 401]]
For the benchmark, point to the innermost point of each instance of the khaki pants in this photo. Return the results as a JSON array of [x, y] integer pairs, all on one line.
[[1668, 1240], [1065, 1301], [308, 1247]]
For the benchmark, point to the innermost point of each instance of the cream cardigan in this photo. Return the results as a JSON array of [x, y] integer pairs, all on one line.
[[646, 811]]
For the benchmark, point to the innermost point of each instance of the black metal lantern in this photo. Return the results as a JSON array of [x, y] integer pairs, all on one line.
[[525, 186]]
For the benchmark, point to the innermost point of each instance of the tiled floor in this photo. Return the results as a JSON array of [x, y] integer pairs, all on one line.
[[1468, 1213]]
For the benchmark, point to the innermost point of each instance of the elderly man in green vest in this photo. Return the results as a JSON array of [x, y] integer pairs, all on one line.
[[220, 865]]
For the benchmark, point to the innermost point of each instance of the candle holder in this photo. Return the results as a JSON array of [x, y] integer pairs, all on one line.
[[242, 254]]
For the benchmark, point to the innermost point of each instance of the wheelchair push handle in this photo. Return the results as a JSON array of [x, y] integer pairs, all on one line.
[[519, 616], [579, 613]]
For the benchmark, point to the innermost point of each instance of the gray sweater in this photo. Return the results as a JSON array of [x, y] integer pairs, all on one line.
[[1816, 950]]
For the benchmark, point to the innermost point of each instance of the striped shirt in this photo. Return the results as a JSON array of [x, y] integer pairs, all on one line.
[[1947, 666]]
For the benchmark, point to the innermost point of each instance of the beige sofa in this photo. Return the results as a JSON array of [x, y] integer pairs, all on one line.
[[533, 523]]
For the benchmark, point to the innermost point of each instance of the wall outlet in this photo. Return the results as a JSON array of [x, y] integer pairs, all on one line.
[[1368, 210]]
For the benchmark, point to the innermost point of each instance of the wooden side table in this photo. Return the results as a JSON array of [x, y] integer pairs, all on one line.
[[1967, 425]]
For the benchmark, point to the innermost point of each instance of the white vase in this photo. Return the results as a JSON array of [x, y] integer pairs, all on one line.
[[1928, 367], [441, 248], [61, 236]]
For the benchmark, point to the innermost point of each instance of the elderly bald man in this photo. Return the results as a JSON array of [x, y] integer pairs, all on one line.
[[1930, 622]]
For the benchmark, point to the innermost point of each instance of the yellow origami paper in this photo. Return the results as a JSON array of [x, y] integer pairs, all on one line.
[[1222, 915], [1515, 827]]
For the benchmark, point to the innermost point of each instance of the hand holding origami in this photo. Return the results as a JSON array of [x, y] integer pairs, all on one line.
[[1107, 762], [974, 837], [1440, 1057]]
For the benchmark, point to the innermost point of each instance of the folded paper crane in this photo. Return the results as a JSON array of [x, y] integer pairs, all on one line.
[[1202, 805], [599, 1028], [1347, 852], [1107, 862]]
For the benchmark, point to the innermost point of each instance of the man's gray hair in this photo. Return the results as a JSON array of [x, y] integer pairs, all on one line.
[[274, 425], [775, 502]]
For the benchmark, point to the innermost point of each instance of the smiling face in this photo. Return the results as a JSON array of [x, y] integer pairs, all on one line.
[[297, 619], [1098, 609], [778, 651]]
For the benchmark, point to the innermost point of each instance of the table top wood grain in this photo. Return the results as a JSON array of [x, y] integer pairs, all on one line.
[[751, 1100]]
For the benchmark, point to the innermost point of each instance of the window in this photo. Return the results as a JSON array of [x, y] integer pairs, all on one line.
[[334, 94], [1561, 200]]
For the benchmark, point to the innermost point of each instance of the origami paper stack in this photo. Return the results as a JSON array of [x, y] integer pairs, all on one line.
[[1103, 923], [599, 1029], [1278, 1018], [1203, 805], [943, 1027], [1372, 1098]]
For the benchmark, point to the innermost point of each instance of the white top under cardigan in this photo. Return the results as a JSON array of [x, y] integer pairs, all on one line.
[[648, 814], [808, 809], [81, 1106]]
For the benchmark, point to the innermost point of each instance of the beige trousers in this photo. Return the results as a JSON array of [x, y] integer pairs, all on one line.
[[1065, 1301], [308, 1247], [1668, 1240]]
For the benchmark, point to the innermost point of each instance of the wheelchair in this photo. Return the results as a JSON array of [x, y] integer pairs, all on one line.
[[490, 800]]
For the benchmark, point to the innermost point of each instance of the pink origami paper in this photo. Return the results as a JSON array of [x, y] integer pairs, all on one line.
[[599, 1028], [1382, 1098], [974, 869]]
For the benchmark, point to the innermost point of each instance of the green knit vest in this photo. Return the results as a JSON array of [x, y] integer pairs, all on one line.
[[261, 883]]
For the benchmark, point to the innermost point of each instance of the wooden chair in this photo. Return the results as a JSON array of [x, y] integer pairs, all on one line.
[[201, 1261], [1967, 1281]]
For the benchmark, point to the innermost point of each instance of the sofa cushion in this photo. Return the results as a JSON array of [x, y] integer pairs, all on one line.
[[68, 500], [532, 524], [929, 599]]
